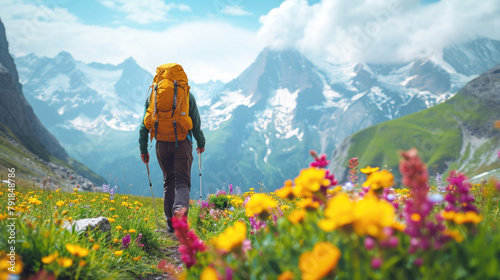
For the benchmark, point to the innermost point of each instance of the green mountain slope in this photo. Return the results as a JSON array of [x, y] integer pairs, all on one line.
[[458, 134]]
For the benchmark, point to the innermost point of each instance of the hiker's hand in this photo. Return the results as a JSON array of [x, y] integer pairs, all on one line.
[[145, 158], [200, 150]]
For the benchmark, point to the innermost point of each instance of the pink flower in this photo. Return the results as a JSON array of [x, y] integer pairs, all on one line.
[[190, 242], [139, 239]]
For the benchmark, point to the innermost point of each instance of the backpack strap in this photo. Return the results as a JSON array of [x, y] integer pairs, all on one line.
[[154, 112], [173, 111]]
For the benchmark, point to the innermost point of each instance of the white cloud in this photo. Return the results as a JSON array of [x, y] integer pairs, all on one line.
[[378, 30], [145, 11], [235, 11], [208, 50]]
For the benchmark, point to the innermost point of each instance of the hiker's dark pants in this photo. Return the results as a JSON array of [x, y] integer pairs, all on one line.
[[176, 167]]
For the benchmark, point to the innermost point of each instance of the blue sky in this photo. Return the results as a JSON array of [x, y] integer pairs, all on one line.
[[217, 40]]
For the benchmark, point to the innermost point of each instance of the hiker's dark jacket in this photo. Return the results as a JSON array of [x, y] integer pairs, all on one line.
[[196, 131]]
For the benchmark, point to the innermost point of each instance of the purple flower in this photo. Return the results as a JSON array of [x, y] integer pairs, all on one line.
[[105, 188], [231, 189], [125, 241], [138, 240], [369, 243]]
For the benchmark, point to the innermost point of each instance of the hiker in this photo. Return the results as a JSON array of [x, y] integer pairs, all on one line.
[[172, 118]]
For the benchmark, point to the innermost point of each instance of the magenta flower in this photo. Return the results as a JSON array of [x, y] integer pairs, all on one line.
[[458, 196], [138, 240], [424, 232], [191, 244], [353, 170], [126, 241], [231, 189], [320, 162]]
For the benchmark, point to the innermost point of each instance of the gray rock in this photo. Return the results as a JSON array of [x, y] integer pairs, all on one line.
[[81, 225]]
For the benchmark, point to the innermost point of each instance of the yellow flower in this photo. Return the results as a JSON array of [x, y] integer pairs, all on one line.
[[448, 215], [368, 169], [297, 216], [60, 203], [286, 191], [209, 273], [131, 231], [287, 275], [310, 180], [379, 180], [455, 234], [76, 250], [308, 204], [371, 215], [124, 231], [284, 207], [81, 263], [3, 217], [96, 247], [136, 258], [118, 227], [468, 218], [50, 258], [338, 213], [116, 240], [232, 237], [115, 216], [111, 220], [319, 262], [259, 204], [111, 209], [64, 212], [65, 262], [118, 253]]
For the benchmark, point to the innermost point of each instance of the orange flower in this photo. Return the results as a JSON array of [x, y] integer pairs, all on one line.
[[297, 216], [319, 262], [50, 258], [65, 262], [308, 204], [286, 191], [287, 275]]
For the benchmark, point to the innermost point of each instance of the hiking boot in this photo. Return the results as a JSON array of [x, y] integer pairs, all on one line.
[[170, 227]]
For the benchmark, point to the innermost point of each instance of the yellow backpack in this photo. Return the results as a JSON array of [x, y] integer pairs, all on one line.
[[167, 116]]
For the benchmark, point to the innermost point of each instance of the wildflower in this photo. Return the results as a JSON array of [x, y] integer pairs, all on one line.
[[76, 250], [320, 162], [338, 212], [455, 234], [60, 203], [470, 217], [191, 244], [369, 243], [96, 247], [284, 207], [286, 191], [458, 196], [379, 180], [65, 262], [308, 204], [136, 258], [138, 239], [376, 263], [353, 170], [232, 237], [287, 275], [259, 204], [50, 258], [310, 181], [75, 189], [424, 232], [209, 273], [111, 209], [131, 230], [368, 170], [231, 189], [125, 241], [81, 263], [116, 240], [118, 253], [111, 220], [118, 227], [319, 262], [297, 216]]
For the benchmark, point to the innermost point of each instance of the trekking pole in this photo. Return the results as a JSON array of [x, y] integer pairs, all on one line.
[[152, 194], [199, 164]]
